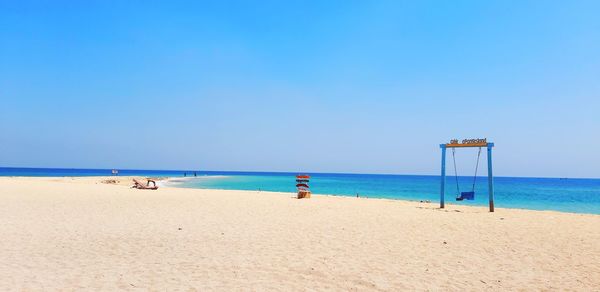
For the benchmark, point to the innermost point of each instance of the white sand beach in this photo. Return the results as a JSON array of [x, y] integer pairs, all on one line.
[[80, 234]]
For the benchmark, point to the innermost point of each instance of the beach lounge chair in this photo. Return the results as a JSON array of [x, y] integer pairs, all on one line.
[[144, 186]]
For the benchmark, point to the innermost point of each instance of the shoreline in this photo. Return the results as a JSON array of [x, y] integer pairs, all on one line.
[[163, 182], [448, 202], [435, 205]]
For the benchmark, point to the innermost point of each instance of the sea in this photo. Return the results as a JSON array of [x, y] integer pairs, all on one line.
[[576, 195]]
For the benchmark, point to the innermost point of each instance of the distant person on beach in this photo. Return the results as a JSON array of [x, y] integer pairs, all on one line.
[[195, 174], [184, 174]]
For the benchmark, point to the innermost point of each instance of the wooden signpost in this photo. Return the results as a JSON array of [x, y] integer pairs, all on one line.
[[302, 186]]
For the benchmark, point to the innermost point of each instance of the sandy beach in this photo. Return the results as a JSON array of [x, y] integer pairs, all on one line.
[[81, 234]]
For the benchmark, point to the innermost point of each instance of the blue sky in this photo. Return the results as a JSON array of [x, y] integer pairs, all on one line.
[[328, 86]]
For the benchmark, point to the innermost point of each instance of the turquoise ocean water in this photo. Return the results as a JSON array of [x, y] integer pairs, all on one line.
[[568, 195]]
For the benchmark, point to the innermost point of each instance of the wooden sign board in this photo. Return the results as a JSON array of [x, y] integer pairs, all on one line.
[[467, 143]]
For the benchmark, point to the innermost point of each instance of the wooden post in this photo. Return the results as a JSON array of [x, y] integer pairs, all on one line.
[[490, 176], [443, 176]]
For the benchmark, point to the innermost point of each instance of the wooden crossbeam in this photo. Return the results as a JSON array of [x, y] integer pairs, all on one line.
[[456, 145]]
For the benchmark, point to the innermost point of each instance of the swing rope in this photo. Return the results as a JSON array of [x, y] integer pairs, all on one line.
[[476, 167], [455, 173]]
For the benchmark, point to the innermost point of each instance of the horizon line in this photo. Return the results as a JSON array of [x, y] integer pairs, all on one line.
[[289, 172]]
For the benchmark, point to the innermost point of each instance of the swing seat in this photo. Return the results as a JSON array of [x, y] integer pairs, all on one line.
[[466, 196]]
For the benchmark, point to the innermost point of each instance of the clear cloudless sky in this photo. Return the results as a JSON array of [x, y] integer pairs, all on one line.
[[320, 86]]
